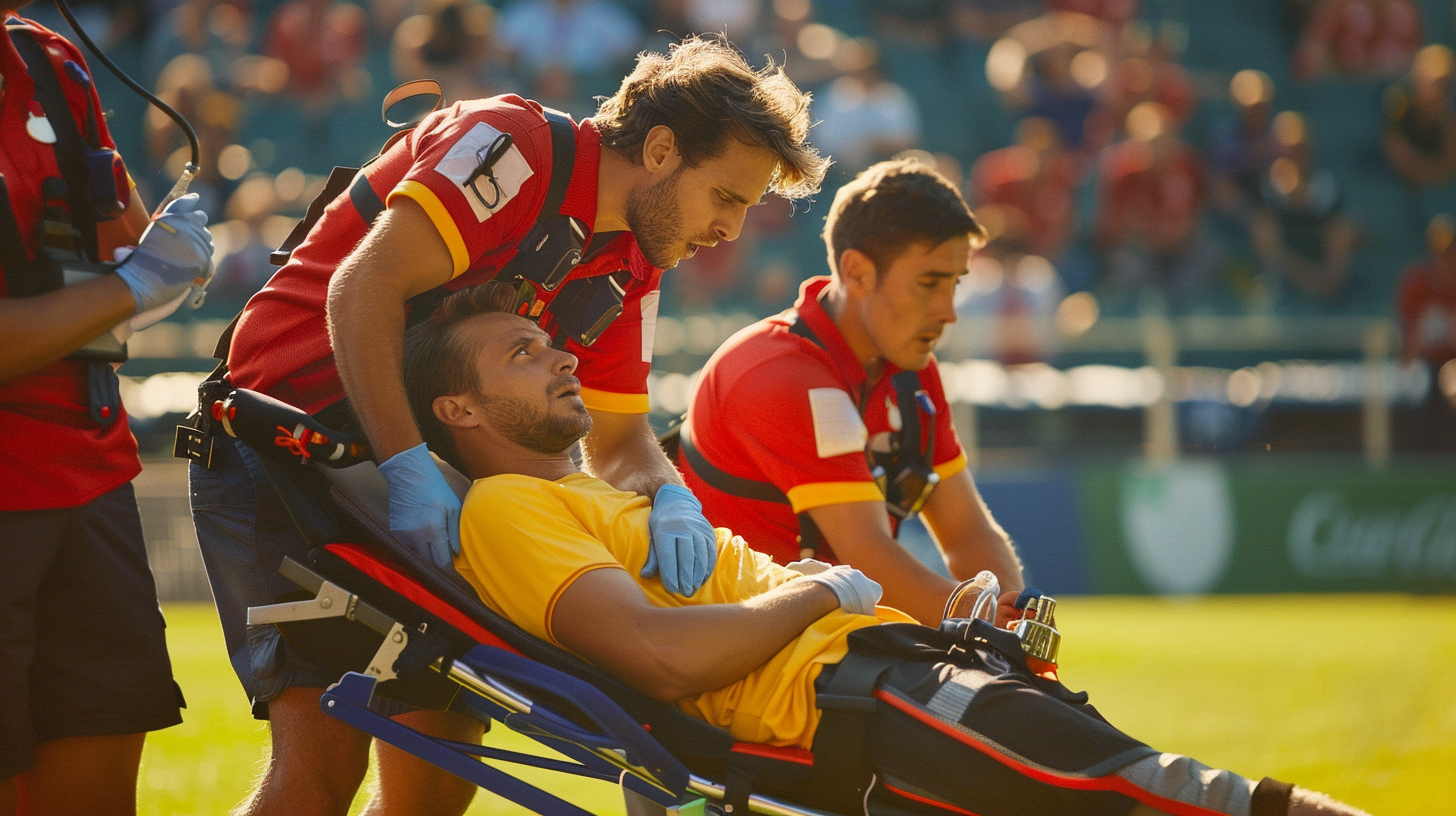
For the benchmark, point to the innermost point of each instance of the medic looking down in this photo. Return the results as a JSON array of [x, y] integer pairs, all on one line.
[[671, 162], [806, 427]]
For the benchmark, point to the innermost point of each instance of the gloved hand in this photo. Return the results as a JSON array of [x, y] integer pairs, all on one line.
[[424, 513], [857, 594], [174, 257], [684, 545]]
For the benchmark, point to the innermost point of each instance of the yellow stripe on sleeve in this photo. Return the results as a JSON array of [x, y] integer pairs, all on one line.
[[820, 494], [426, 198], [954, 466], [614, 403]]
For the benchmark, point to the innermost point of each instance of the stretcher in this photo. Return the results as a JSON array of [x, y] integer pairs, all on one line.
[[397, 628]]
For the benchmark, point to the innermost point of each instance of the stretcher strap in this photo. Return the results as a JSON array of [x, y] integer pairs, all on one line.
[[842, 771]]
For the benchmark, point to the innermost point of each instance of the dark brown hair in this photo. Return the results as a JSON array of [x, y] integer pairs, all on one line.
[[892, 205], [437, 364], [705, 91]]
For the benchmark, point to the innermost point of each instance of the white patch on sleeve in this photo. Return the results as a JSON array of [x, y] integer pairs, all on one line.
[[838, 428], [511, 170], [649, 323]]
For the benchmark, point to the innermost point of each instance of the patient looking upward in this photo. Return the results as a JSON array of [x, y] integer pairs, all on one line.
[[559, 552]]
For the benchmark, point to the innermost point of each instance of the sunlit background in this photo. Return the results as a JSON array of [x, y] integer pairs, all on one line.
[[1208, 350]]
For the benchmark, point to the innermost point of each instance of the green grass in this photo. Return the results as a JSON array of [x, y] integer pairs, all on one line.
[[1350, 695]]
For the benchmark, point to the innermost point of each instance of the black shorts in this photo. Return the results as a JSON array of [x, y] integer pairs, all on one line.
[[82, 644]]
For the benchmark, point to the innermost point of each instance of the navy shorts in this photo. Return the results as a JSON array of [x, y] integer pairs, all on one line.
[[244, 533], [83, 651]]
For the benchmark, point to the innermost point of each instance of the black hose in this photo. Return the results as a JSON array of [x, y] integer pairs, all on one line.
[[196, 163]]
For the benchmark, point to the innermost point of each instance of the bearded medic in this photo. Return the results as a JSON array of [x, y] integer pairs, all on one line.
[[581, 218]]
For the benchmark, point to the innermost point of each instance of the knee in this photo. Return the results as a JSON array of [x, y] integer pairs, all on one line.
[[315, 756]]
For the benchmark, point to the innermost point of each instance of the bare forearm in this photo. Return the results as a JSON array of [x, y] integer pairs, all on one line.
[[676, 652], [366, 329], [622, 451], [36, 331], [743, 636], [402, 256], [909, 585]]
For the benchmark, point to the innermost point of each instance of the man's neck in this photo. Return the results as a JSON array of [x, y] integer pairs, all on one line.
[[837, 304], [616, 176], [482, 464]]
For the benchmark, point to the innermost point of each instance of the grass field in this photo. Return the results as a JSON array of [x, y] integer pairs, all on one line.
[[1354, 695]]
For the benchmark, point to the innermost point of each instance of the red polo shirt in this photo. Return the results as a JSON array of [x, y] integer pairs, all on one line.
[[52, 455], [775, 407], [281, 345]]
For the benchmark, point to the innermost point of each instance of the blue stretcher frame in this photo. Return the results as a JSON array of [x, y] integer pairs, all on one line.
[[495, 684]]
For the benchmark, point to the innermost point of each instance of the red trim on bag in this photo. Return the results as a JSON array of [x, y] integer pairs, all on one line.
[[1111, 782], [388, 574], [926, 800], [796, 755]]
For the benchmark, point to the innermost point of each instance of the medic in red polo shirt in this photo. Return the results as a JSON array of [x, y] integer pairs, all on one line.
[[671, 162], [812, 403], [77, 599]]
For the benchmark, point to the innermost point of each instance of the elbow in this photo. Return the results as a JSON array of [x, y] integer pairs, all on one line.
[[666, 672]]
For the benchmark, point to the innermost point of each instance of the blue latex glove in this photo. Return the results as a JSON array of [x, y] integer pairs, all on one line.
[[173, 257], [424, 513], [684, 546]]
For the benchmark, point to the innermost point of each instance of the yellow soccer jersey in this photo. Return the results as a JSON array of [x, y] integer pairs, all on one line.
[[525, 540]]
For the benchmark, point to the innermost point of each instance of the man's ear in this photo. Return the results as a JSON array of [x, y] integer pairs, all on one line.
[[659, 151], [856, 272], [456, 411]]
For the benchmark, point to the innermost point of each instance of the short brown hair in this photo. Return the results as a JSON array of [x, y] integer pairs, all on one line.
[[437, 364], [705, 91], [892, 205]]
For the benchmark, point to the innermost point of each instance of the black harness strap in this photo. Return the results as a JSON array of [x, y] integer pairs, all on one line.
[[726, 482], [365, 200], [842, 771], [70, 147], [339, 179], [563, 160], [12, 247]]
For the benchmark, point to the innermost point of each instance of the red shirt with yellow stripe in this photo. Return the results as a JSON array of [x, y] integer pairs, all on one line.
[[52, 454], [775, 407], [281, 345]]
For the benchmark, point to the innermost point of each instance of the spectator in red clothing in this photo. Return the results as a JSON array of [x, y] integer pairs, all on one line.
[[1301, 236], [1116, 12], [1427, 299], [1148, 72], [1032, 184], [1362, 37], [1420, 121], [322, 42], [1426, 303], [1151, 200]]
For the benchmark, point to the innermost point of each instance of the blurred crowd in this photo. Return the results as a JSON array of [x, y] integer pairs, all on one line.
[[1127, 157]]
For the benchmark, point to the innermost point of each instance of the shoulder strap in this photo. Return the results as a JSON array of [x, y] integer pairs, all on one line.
[[13, 260], [70, 148], [800, 328], [563, 159], [726, 482]]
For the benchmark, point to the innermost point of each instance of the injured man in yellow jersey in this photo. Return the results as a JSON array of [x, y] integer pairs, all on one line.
[[560, 552]]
